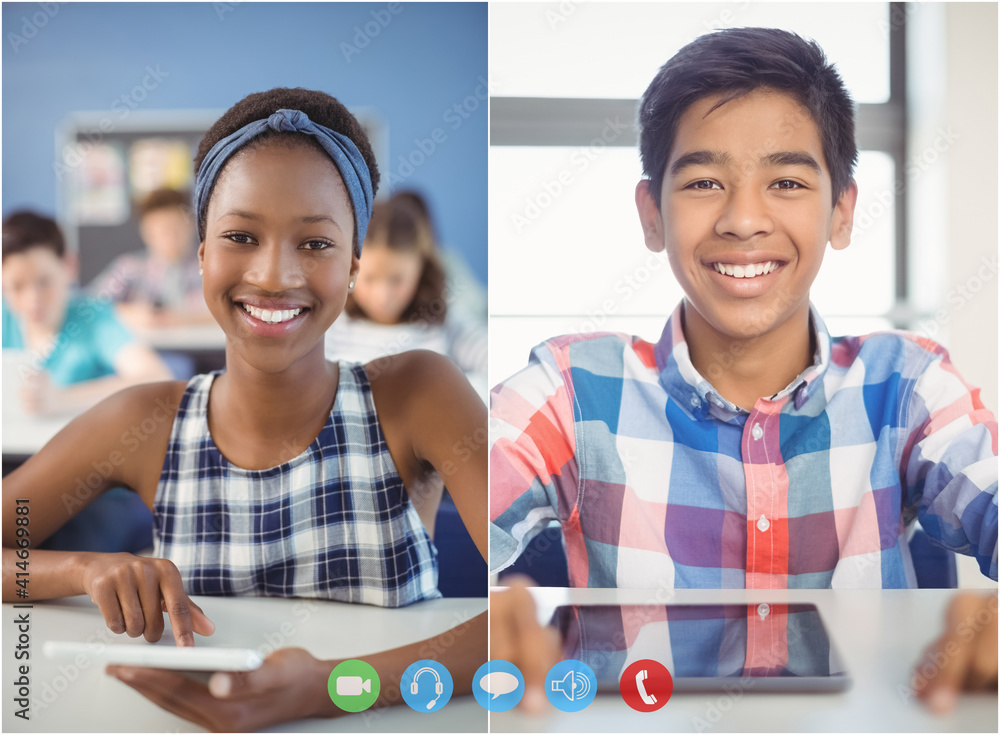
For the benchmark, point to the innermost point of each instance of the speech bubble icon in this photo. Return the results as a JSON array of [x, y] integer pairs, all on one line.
[[498, 682]]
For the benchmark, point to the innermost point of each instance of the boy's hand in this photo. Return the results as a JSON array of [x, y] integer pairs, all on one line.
[[133, 592], [289, 686], [38, 394], [141, 315], [516, 636], [964, 658]]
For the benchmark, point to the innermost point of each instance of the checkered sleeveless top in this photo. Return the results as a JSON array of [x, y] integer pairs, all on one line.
[[335, 522]]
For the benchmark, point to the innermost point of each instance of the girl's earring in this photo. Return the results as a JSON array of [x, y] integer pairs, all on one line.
[[201, 271], [350, 286]]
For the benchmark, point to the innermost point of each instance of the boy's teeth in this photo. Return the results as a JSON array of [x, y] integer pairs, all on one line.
[[746, 271], [269, 316]]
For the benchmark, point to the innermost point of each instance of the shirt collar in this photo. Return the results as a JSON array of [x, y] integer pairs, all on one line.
[[697, 395]]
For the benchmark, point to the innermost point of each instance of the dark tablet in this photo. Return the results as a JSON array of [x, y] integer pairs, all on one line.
[[707, 648]]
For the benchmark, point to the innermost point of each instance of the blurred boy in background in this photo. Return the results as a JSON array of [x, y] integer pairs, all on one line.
[[79, 351], [75, 353], [160, 287]]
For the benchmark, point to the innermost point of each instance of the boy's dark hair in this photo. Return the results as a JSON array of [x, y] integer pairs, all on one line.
[[164, 199], [24, 230], [321, 108], [403, 226], [734, 62]]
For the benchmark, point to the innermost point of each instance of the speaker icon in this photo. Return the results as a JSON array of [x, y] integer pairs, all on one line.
[[574, 686]]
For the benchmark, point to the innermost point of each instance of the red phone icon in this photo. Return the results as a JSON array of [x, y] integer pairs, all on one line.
[[646, 685], [639, 679]]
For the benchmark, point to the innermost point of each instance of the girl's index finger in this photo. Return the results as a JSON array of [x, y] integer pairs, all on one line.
[[200, 622], [180, 609]]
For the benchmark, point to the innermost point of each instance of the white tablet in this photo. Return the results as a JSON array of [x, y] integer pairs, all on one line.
[[198, 658]]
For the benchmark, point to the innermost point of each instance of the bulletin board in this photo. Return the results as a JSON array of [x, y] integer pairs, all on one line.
[[106, 165]]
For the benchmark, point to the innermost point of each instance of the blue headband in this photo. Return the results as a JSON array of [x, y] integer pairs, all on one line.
[[340, 148]]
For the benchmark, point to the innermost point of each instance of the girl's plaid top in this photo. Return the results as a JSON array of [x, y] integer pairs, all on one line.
[[335, 522], [658, 481]]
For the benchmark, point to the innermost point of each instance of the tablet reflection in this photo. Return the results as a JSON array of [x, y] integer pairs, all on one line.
[[699, 641]]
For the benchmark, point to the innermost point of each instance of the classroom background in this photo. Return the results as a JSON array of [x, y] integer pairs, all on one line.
[[418, 70]]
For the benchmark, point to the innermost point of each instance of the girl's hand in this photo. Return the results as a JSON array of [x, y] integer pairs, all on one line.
[[289, 686], [964, 657], [133, 592]]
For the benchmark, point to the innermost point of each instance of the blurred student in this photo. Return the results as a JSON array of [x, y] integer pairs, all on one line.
[[400, 300], [79, 351], [160, 287], [467, 296]]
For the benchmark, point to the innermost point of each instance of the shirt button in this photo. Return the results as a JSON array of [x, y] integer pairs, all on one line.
[[756, 432], [762, 523], [695, 401], [763, 609]]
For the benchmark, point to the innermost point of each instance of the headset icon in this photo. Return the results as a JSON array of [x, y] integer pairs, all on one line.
[[438, 686]]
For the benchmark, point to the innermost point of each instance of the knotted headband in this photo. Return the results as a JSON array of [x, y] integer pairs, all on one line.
[[345, 155]]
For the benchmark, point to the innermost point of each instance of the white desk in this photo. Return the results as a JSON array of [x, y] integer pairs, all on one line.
[[87, 700], [193, 338], [24, 435], [880, 635]]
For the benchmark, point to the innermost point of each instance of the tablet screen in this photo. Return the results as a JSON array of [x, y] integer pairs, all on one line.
[[706, 647]]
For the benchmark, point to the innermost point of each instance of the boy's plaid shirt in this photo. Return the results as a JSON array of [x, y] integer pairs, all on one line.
[[657, 480]]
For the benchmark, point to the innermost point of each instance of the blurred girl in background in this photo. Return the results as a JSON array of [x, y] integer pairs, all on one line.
[[401, 300]]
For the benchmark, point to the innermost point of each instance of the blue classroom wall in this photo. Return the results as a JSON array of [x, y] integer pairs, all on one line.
[[421, 66]]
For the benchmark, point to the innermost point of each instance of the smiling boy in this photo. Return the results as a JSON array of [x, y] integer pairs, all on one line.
[[747, 447]]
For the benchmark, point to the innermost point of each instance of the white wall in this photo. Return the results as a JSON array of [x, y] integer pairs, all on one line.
[[971, 111]]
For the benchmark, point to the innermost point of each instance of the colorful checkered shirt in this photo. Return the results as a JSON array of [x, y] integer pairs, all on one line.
[[658, 481], [334, 523]]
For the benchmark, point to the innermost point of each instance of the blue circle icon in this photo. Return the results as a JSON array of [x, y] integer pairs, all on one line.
[[426, 686], [498, 685], [571, 685]]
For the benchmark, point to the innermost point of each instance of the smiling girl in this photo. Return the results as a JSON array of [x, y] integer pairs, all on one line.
[[282, 451]]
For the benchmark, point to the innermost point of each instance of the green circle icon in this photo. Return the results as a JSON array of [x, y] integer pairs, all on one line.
[[353, 685]]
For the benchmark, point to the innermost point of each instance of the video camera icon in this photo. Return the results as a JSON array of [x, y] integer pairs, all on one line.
[[571, 685], [352, 686]]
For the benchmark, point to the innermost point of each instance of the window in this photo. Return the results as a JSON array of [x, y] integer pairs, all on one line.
[[566, 251]]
